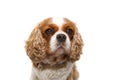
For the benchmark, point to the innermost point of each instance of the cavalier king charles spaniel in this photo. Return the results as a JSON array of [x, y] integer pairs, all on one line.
[[53, 47]]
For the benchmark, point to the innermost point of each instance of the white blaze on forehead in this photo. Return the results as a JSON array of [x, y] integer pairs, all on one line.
[[58, 21]]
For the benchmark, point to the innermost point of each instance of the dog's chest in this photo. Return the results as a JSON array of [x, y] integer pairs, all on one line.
[[54, 74]]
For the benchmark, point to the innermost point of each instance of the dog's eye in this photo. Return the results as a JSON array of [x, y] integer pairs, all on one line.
[[69, 31], [49, 31]]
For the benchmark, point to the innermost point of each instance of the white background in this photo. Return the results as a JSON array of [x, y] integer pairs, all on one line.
[[98, 22]]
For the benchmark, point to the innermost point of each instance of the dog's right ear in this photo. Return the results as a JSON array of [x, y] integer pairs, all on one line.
[[36, 46]]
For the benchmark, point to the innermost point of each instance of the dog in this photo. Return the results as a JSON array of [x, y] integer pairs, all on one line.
[[54, 46]]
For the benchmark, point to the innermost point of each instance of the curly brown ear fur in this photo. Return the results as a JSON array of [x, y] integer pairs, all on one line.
[[36, 46], [76, 46]]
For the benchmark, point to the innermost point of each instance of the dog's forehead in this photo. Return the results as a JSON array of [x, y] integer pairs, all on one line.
[[59, 21]]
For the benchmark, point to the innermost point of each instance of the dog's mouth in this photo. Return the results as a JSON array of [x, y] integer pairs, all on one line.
[[61, 46]]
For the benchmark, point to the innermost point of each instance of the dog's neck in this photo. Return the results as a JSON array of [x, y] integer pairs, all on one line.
[[43, 66], [52, 62]]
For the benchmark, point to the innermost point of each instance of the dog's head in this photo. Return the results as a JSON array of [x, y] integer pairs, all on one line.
[[54, 41]]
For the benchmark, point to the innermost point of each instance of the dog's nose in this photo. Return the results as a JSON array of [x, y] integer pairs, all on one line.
[[61, 37]]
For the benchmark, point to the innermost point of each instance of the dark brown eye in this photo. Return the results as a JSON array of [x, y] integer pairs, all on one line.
[[49, 31], [69, 31]]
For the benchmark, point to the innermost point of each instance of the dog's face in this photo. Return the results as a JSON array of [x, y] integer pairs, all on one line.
[[54, 41], [58, 33]]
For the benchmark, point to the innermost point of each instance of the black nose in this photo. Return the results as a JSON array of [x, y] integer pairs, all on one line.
[[61, 37]]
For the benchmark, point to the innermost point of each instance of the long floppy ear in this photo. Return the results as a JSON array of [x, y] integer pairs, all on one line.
[[36, 46], [76, 46]]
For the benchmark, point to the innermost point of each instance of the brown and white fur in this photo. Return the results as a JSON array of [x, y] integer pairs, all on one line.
[[53, 47]]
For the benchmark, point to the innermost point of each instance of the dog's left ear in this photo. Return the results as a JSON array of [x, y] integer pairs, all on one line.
[[76, 46]]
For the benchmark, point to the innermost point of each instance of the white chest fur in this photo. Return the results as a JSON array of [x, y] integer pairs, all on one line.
[[50, 74]]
